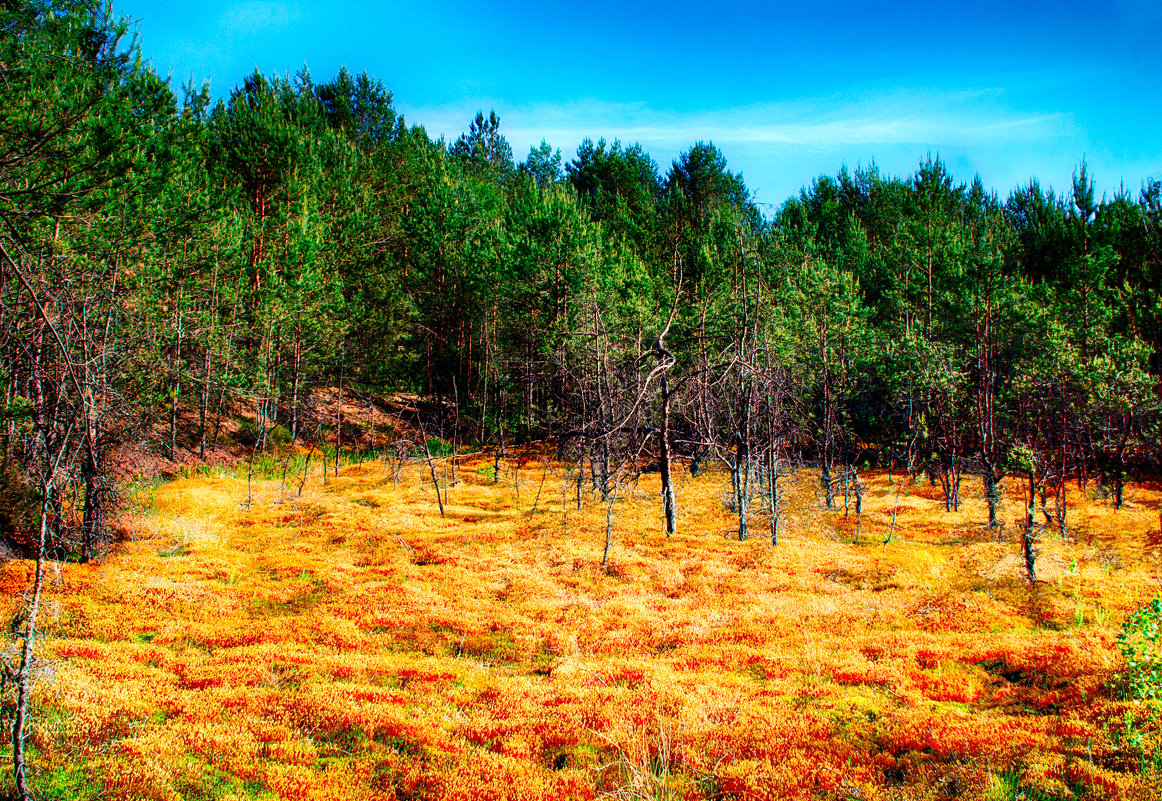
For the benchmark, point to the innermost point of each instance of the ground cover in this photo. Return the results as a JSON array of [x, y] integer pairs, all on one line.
[[348, 642]]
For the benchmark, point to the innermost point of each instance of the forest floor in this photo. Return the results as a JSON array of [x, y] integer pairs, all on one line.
[[348, 642], [369, 422]]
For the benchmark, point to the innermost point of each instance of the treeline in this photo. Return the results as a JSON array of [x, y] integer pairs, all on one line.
[[161, 255]]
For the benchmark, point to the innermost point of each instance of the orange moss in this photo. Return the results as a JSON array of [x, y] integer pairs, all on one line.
[[351, 643]]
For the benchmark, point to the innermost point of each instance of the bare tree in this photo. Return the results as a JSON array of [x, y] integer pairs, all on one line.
[[665, 361]]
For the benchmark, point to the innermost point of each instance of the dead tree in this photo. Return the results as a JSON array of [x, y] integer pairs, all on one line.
[[609, 383], [61, 402], [1024, 459], [729, 419], [665, 361]]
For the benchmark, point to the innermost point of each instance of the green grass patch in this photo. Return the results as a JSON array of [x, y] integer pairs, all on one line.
[[174, 551], [65, 783]]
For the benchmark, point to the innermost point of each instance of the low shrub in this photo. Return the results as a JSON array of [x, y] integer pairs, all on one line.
[[1140, 647]]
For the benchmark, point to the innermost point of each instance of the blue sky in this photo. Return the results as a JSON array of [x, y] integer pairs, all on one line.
[[1009, 90]]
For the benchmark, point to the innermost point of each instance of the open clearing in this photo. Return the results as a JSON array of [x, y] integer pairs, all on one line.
[[350, 643]]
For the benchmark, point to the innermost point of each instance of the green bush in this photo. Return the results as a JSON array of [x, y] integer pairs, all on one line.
[[1139, 644], [278, 436], [250, 434], [247, 433], [439, 448]]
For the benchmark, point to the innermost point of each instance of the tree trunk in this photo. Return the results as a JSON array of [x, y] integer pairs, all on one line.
[[96, 505], [1043, 495], [205, 405], [825, 484], [992, 493], [339, 426], [859, 488], [580, 478], [177, 391], [740, 475], [1060, 505], [773, 494], [669, 506], [604, 467], [24, 671], [608, 532], [1027, 538], [296, 378]]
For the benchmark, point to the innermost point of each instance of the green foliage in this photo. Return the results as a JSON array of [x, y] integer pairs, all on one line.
[[484, 149], [438, 448], [142, 495], [1141, 646], [1009, 787], [248, 433], [1022, 459], [16, 409], [66, 783], [278, 436]]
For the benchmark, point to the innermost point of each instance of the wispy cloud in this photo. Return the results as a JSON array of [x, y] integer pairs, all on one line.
[[782, 146], [821, 124], [824, 126]]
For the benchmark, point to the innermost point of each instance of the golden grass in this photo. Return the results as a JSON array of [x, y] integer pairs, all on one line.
[[352, 644]]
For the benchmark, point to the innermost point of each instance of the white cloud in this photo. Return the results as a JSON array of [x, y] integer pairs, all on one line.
[[819, 124], [782, 146]]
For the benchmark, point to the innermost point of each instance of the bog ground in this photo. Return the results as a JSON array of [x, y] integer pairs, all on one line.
[[351, 643]]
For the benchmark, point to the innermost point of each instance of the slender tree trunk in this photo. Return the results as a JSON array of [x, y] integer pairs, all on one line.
[[895, 512], [859, 489], [773, 494], [296, 378], [177, 391], [1027, 538], [669, 506], [665, 362], [957, 473], [992, 494], [456, 428], [500, 439], [846, 493], [1119, 461], [339, 424], [740, 477], [431, 470], [610, 499], [95, 506], [204, 408], [580, 478], [24, 671], [946, 483], [1043, 496], [226, 350], [208, 363]]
